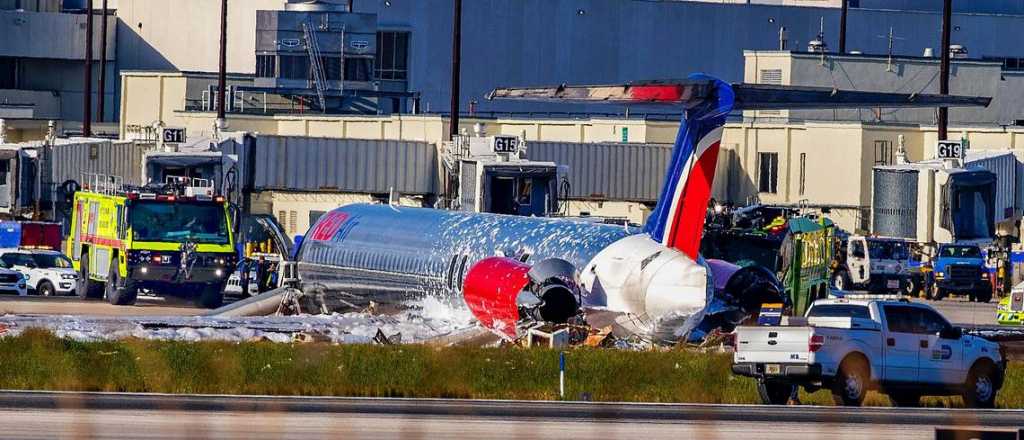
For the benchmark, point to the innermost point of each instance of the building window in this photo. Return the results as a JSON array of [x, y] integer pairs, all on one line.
[[266, 66], [314, 216], [293, 221], [768, 172], [392, 55], [294, 67], [358, 69], [883, 153], [803, 173], [282, 218]]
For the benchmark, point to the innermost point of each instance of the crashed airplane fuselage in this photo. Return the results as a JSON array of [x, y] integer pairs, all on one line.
[[380, 252]]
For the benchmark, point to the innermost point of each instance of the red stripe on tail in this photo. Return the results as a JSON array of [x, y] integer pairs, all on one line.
[[687, 228]]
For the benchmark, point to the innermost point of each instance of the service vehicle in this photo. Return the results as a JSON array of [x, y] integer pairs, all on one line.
[[1010, 310], [877, 265], [47, 273], [171, 239], [795, 248], [960, 269], [12, 282], [904, 349]]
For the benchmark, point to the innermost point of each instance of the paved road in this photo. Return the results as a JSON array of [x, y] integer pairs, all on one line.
[[146, 306], [963, 312], [73, 415]]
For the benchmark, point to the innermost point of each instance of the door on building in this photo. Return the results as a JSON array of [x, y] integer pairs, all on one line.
[[503, 196]]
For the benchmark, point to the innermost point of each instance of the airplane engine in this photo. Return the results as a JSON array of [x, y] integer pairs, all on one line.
[[502, 291]]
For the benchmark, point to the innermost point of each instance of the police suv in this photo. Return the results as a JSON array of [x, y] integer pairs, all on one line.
[[849, 346]]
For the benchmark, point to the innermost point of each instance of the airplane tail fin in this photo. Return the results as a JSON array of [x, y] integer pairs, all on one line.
[[678, 218]]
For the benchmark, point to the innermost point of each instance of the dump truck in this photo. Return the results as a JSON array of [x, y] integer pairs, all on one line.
[[797, 248]]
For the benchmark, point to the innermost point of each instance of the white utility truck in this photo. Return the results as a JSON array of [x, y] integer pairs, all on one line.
[[878, 265], [904, 349]]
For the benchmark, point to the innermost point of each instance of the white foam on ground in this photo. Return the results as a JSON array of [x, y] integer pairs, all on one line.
[[418, 321]]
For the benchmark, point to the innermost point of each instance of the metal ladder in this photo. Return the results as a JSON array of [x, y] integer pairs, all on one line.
[[313, 48]]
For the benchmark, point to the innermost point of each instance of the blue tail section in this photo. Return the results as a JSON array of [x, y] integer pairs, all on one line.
[[678, 218]]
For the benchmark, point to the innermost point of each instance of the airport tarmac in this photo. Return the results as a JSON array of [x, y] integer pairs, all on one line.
[[115, 416], [957, 310]]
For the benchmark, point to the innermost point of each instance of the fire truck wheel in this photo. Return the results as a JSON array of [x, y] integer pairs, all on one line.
[[88, 288], [120, 292], [211, 296]]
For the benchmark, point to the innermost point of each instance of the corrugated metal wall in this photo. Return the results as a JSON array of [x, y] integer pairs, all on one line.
[[346, 165], [612, 171], [1005, 168], [71, 161], [894, 210]]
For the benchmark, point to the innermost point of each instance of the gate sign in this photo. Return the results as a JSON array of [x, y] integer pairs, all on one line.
[[173, 135], [949, 150], [506, 144]]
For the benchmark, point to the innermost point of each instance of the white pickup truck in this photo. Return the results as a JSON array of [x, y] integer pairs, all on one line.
[[904, 349]]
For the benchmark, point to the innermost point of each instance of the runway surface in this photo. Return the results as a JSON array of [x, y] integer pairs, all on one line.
[[101, 415]]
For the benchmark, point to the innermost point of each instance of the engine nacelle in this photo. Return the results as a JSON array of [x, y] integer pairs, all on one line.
[[502, 291]]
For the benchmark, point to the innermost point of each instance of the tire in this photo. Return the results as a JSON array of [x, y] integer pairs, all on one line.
[[211, 296], [841, 281], [774, 393], [980, 388], [45, 288], [908, 399], [939, 294], [983, 296], [87, 288], [851, 384], [120, 292]]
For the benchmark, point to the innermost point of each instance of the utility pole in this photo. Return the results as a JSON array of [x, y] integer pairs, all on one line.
[[456, 68], [947, 18], [87, 93], [222, 73], [842, 26], [103, 64]]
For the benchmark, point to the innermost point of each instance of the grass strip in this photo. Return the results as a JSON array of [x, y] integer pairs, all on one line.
[[38, 360]]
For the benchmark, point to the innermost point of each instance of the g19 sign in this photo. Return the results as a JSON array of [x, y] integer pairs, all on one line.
[[949, 150]]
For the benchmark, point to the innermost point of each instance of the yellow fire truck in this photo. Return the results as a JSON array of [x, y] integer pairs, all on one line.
[[173, 239]]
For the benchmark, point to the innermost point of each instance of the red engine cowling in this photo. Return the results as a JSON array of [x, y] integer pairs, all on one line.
[[501, 291], [490, 290]]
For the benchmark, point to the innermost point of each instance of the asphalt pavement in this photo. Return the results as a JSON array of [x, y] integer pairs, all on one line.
[[962, 312], [147, 305], [108, 415]]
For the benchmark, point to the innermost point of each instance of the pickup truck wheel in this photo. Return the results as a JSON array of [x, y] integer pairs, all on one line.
[[774, 393], [939, 294], [905, 398], [983, 296], [980, 389], [851, 384]]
